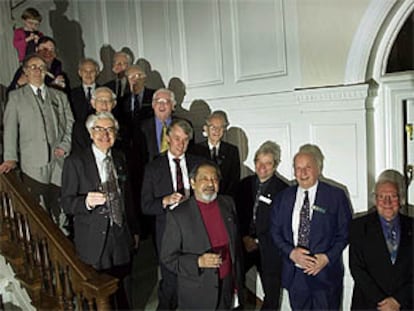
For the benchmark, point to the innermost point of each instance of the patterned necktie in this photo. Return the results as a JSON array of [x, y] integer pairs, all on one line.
[[113, 193], [304, 223], [163, 139], [392, 242], [39, 94], [179, 175]]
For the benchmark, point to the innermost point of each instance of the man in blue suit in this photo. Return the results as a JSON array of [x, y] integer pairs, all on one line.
[[309, 224]]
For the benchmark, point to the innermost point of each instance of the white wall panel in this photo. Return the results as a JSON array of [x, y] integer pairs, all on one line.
[[340, 150], [157, 39], [200, 38], [258, 30]]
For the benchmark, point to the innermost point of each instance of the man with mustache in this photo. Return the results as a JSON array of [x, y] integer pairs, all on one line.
[[201, 245]]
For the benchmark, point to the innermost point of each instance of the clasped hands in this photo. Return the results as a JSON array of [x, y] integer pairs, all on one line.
[[209, 260], [311, 264]]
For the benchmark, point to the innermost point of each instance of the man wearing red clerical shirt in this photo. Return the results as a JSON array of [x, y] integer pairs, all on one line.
[[202, 246]]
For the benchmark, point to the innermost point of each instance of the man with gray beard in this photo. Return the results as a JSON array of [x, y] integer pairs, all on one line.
[[202, 246]]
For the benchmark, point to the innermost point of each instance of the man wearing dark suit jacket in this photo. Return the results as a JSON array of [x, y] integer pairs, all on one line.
[[80, 97], [201, 245], [224, 154], [103, 100], [95, 192], [37, 131], [120, 62], [309, 224], [165, 184], [381, 250], [149, 136], [254, 199]]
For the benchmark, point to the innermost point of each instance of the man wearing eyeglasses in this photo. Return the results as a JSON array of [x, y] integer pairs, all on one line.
[[120, 62], [103, 100], [224, 154], [381, 250], [37, 135], [95, 191]]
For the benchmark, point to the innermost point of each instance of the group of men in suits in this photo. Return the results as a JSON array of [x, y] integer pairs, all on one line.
[[294, 235]]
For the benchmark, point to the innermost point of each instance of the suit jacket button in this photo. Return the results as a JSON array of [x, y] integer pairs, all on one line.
[[103, 232]]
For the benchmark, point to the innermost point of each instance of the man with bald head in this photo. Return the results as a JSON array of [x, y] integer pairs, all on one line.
[[309, 224]]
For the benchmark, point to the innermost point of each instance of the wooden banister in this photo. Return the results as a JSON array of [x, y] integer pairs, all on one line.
[[44, 260]]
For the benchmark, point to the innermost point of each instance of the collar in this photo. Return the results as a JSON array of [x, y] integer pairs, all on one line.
[[211, 146], [99, 155], [311, 190], [171, 157], [34, 88], [159, 122]]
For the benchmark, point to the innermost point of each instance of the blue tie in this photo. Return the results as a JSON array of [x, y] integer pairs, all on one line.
[[392, 242]]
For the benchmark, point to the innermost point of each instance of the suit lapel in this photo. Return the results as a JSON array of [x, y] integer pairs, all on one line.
[[91, 168]]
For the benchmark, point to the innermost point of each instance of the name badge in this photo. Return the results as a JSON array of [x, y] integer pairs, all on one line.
[[268, 201]]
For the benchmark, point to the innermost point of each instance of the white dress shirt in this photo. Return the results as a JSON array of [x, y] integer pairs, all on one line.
[[300, 196]]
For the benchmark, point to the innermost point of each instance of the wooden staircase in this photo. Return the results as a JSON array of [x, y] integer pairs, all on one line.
[[43, 259]]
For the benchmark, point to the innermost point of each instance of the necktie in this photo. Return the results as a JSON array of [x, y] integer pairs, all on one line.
[[89, 94], [118, 88], [304, 223], [113, 192], [252, 229], [392, 242], [163, 139], [39, 94], [179, 175], [214, 154]]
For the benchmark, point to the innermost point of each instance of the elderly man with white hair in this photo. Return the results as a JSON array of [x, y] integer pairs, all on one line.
[[95, 192]]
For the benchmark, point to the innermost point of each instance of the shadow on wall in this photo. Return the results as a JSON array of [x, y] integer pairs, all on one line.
[[68, 36], [106, 53], [154, 80], [237, 137]]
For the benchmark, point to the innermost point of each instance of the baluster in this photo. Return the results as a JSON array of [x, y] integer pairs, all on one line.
[[79, 302], [68, 289], [46, 265], [13, 228], [90, 304], [27, 240], [38, 257], [59, 287], [6, 232], [102, 304]]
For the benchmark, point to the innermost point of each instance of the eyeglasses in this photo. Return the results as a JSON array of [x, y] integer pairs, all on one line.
[[160, 101], [216, 128], [392, 197], [35, 67], [104, 101], [137, 76], [101, 130]]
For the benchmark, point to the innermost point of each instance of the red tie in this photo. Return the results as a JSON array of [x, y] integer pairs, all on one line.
[[179, 175]]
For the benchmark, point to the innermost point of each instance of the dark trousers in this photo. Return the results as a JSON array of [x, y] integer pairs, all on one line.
[[167, 290], [116, 261], [302, 297], [225, 294], [50, 194], [270, 278]]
